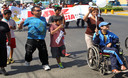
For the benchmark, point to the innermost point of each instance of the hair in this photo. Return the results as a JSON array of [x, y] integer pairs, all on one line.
[[57, 8], [4, 5], [33, 8], [57, 19], [65, 4], [7, 12], [93, 9]]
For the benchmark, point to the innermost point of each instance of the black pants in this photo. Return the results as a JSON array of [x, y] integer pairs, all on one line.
[[82, 22], [3, 55], [66, 24], [31, 46]]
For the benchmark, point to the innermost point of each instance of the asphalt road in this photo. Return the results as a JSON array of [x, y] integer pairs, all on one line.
[[75, 65]]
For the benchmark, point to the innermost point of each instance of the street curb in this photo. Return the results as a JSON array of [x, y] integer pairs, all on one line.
[[116, 11], [122, 14]]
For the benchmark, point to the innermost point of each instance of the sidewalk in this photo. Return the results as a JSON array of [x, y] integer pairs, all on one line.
[[122, 13]]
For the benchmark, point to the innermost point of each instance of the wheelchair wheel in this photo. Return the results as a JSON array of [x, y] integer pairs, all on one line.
[[93, 58], [125, 61], [126, 43], [104, 67]]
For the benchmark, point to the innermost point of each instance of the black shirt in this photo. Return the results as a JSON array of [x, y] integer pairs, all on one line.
[[4, 28]]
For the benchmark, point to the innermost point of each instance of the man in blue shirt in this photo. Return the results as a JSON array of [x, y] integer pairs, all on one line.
[[36, 34]]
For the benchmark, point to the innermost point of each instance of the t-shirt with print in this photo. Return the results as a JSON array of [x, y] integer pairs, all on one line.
[[91, 25], [55, 36], [4, 28], [12, 23], [51, 19], [36, 27]]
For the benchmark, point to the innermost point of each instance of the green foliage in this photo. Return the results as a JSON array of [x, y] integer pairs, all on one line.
[[109, 7], [35, 1], [9, 0], [113, 8]]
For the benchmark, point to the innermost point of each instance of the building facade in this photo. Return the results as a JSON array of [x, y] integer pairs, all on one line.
[[116, 2]]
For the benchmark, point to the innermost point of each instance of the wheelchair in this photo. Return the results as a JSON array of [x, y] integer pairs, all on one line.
[[99, 61]]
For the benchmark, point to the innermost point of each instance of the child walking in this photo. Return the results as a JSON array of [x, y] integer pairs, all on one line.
[[12, 26], [57, 33]]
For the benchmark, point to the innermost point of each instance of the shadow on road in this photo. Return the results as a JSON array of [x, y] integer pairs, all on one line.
[[76, 60], [75, 54], [78, 63], [121, 75], [24, 69]]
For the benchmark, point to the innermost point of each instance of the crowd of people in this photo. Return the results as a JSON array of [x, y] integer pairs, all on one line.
[[97, 33]]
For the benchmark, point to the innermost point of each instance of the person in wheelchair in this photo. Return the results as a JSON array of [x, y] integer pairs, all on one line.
[[107, 43]]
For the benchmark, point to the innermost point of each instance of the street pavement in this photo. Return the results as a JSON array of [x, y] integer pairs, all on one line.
[[75, 65]]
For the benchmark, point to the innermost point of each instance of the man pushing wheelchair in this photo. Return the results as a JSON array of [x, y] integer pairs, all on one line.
[[107, 42]]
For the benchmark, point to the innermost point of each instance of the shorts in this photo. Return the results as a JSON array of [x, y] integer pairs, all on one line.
[[58, 51], [13, 43]]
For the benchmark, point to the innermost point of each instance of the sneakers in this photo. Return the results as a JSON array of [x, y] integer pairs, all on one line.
[[10, 61], [27, 63], [46, 67], [3, 71], [60, 65]]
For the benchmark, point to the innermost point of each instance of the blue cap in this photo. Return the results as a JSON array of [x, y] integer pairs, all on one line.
[[104, 23]]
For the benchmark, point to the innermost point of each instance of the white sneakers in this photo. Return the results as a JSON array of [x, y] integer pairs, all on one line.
[[27, 63], [46, 67]]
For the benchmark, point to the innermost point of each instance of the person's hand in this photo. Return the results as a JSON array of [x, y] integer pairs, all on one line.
[[109, 44], [96, 30], [90, 9], [61, 26], [10, 27], [62, 14]]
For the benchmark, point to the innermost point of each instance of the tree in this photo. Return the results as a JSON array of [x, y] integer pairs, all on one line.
[[35, 1], [10, 0]]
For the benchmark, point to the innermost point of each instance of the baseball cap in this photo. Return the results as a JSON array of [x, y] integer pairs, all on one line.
[[104, 23]]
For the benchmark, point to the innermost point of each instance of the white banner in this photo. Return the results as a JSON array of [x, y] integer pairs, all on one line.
[[70, 14]]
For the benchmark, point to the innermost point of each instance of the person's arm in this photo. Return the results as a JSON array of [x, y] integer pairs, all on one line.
[[21, 25], [86, 16], [9, 37], [64, 31], [115, 39], [54, 31], [14, 26], [96, 38]]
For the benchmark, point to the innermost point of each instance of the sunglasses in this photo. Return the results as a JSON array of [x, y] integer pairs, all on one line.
[[37, 10]]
